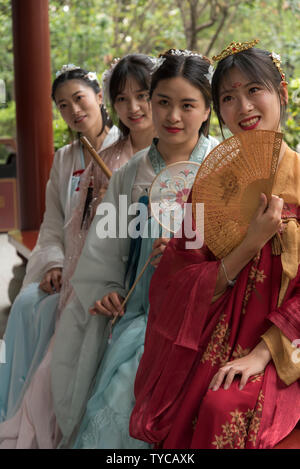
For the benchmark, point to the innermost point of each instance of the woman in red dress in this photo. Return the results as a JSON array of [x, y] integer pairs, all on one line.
[[220, 367]]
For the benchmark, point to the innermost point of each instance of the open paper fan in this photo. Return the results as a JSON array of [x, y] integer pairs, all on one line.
[[229, 183], [170, 191]]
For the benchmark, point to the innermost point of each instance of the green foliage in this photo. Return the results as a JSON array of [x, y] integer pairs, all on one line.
[[8, 120], [91, 33], [61, 133], [292, 130]]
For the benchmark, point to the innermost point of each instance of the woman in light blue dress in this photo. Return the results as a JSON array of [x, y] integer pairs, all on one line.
[[34, 314], [180, 96]]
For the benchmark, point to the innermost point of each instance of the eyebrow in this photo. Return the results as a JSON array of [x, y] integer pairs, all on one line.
[[192, 100], [74, 94], [135, 91], [243, 86]]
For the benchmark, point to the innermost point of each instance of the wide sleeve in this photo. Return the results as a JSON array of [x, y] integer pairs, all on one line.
[[101, 267], [180, 295], [284, 355], [49, 249]]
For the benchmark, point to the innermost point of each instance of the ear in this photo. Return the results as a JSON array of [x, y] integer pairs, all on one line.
[[207, 113], [100, 97], [283, 92]]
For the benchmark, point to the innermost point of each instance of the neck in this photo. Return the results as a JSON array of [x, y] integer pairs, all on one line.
[[142, 139], [177, 152], [97, 140]]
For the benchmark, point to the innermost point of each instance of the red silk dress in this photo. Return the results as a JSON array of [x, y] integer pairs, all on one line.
[[189, 337]]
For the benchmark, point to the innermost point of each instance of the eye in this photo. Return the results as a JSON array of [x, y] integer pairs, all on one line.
[[187, 106], [254, 89], [227, 99], [143, 96], [79, 97], [163, 102], [120, 99], [62, 106]]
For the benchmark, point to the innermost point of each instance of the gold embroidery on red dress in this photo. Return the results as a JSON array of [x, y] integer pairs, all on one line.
[[242, 427], [255, 276], [218, 349]]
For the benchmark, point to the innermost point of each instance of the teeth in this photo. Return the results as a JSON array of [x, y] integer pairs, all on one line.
[[250, 122]]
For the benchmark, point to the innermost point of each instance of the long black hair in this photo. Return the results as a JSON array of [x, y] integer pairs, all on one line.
[[191, 67]]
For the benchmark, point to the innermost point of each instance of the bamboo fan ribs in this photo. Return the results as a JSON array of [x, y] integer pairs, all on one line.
[[229, 183]]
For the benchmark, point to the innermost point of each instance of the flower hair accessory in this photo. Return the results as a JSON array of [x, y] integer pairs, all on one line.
[[185, 52], [235, 48], [65, 69], [156, 63], [92, 76], [210, 73], [277, 62]]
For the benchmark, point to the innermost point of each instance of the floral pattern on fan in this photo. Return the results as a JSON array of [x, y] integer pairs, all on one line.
[[169, 193], [229, 183]]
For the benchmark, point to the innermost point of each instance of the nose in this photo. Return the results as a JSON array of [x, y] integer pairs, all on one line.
[[133, 105], [75, 108], [173, 114], [246, 105]]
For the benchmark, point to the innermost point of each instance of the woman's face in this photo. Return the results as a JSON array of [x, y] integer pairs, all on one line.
[[79, 106], [133, 106], [179, 110], [245, 105]]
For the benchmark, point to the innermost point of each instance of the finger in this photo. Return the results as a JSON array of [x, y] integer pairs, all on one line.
[[275, 208], [230, 377], [116, 302], [158, 251], [160, 241], [46, 287], [112, 303], [55, 280], [98, 308], [263, 203], [106, 306], [219, 378], [156, 261], [244, 379]]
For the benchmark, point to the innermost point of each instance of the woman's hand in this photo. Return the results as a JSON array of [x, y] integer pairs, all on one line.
[[266, 222], [51, 282], [250, 365], [158, 249], [110, 305]]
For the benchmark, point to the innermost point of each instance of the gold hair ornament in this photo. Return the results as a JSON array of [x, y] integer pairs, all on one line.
[[277, 62], [235, 48]]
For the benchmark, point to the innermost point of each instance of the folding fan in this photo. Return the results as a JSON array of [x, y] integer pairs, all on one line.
[[229, 183]]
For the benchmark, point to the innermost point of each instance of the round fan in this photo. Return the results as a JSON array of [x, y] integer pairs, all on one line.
[[229, 183], [170, 191]]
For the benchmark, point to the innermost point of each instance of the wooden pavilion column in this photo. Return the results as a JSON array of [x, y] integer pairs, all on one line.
[[31, 42]]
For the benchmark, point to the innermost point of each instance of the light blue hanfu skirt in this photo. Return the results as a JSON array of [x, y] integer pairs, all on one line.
[[30, 326], [106, 421]]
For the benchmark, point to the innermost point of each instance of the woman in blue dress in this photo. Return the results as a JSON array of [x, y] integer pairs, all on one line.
[[46, 289], [180, 97]]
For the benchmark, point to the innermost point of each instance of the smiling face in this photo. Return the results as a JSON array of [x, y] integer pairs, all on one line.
[[179, 111], [245, 105], [79, 106], [133, 107]]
